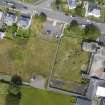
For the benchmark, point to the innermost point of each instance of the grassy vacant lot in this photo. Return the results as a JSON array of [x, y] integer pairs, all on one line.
[[27, 56], [32, 96], [71, 60]]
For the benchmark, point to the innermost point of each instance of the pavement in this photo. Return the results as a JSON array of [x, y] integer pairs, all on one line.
[[38, 82]]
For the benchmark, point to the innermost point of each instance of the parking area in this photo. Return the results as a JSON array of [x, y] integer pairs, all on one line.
[[52, 28]]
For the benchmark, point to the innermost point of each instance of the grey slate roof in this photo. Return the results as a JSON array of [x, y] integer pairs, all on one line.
[[82, 101], [24, 20], [10, 18]]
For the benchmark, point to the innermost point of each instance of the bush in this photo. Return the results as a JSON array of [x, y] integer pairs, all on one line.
[[15, 85], [79, 10], [74, 23], [42, 17], [16, 80], [57, 2], [14, 28], [91, 32]]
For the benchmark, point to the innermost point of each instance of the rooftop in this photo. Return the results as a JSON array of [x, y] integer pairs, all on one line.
[[24, 21], [10, 18], [94, 10], [82, 101]]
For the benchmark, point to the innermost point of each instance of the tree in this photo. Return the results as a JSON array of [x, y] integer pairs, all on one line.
[[57, 2], [91, 32], [79, 10], [43, 16], [74, 23], [16, 80], [15, 85]]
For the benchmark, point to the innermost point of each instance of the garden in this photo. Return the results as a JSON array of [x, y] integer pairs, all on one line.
[[71, 59]]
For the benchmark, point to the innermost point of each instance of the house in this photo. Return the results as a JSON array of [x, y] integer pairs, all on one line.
[[24, 21], [82, 101], [2, 34], [94, 10], [72, 4], [10, 18]]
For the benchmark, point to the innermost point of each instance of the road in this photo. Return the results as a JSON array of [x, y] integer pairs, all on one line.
[[60, 16]]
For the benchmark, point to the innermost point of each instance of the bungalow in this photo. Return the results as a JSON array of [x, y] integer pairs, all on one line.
[[94, 10], [24, 21], [10, 18], [72, 4]]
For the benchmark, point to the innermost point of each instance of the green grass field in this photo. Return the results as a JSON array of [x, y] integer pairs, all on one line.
[[27, 56], [31, 96]]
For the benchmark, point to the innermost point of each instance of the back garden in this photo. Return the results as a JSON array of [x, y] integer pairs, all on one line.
[[71, 60]]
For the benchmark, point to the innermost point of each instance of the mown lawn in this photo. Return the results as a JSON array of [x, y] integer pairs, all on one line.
[[27, 56], [3, 93], [39, 97], [31, 96]]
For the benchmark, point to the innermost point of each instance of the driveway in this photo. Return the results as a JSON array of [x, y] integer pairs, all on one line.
[[38, 82]]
